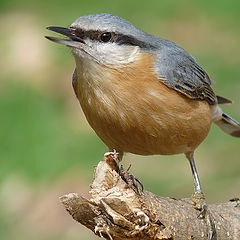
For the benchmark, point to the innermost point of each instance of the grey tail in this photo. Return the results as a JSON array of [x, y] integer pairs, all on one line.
[[229, 125], [223, 100]]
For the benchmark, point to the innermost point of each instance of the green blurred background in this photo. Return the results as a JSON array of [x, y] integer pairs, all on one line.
[[46, 146]]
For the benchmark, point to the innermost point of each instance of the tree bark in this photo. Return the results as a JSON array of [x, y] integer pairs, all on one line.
[[116, 211]]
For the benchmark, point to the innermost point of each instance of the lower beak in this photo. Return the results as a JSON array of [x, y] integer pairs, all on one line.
[[71, 41]]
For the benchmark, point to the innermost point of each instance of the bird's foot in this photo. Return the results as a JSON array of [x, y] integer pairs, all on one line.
[[133, 182], [199, 203], [112, 158]]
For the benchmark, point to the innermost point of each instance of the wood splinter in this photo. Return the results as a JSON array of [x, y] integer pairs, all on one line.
[[115, 211]]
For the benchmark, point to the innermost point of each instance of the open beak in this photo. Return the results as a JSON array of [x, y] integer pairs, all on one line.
[[71, 41]]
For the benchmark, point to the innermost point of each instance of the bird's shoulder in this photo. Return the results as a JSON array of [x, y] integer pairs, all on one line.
[[179, 70]]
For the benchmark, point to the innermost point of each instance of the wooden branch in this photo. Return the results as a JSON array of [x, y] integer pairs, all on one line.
[[116, 212]]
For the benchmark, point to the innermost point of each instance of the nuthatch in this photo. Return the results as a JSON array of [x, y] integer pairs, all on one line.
[[140, 93]]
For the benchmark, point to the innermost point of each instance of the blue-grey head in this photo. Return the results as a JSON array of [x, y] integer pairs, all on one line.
[[105, 39]]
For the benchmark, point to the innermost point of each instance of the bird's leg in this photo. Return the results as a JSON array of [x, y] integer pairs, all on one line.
[[198, 200], [198, 197]]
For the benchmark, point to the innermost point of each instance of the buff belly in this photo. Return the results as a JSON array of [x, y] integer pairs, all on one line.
[[139, 113]]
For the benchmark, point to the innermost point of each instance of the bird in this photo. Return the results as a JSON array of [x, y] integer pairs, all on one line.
[[140, 93]]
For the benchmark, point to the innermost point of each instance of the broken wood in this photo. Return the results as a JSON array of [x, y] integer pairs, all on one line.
[[115, 211]]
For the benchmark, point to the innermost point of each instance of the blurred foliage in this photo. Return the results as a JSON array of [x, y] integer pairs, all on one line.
[[35, 141], [43, 134]]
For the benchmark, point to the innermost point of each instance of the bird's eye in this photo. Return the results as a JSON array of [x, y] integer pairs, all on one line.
[[106, 37]]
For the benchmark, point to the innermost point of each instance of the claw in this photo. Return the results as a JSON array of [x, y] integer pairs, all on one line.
[[207, 216], [135, 182], [131, 180], [211, 226], [198, 202], [140, 183], [203, 212]]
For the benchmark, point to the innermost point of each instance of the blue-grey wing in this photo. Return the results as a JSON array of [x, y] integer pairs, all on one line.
[[180, 71], [74, 81]]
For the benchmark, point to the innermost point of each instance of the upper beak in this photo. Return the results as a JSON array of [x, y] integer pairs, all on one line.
[[71, 41]]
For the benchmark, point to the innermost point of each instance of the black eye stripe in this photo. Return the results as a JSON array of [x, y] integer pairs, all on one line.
[[93, 35], [119, 38], [122, 39]]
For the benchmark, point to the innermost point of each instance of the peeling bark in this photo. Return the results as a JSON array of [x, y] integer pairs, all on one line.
[[116, 211]]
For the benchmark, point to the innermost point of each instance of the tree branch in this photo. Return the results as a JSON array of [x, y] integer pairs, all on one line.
[[117, 212]]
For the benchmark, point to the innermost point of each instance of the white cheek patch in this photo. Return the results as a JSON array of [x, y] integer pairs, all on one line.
[[112, 54], [109, 54]]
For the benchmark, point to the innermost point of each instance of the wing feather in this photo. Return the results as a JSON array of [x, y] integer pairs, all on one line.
[[180, 71]]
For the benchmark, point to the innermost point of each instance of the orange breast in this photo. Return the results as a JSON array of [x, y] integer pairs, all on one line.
[[131, 110]]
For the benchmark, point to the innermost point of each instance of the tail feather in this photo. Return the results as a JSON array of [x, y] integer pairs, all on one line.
[[223, 100], [228, 125]]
